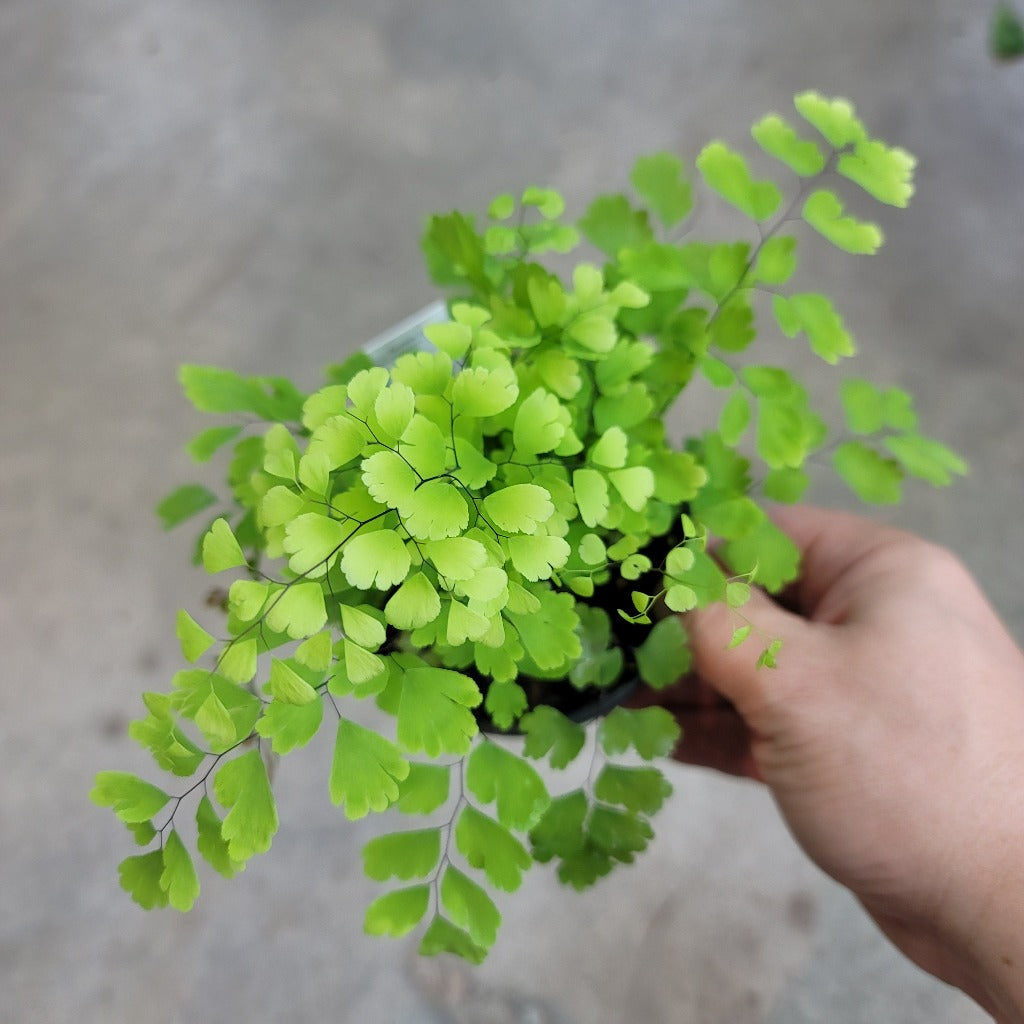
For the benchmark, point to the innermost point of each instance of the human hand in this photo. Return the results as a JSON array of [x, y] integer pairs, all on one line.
[[892, 737]]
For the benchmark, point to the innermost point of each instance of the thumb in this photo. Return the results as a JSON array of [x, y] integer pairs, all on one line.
[[734, 671]]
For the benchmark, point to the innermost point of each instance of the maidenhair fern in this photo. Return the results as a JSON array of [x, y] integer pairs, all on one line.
[[452, 533]]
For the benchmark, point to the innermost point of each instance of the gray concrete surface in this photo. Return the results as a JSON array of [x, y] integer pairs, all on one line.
[[242, 183]]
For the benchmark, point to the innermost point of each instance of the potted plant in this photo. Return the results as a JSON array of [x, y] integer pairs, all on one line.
[[492, 535]]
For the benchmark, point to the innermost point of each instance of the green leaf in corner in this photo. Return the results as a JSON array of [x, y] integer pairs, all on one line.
[[491, 848], [778, 138], [926, 459], [403, 855], [727, 173], [220, 548], [366, 770], [211, 843], [469, 906], [443, 937], [434, 711], [140, 878], [872, 477], [183, 503], [495, 774], [397, 913], [823, 210], [664, 656], [652, 732], [132, 799], [659, 180], [178, 878], [243, 786], [550, 733], [640, 790]]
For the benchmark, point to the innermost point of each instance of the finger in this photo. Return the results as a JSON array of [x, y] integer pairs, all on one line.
[[733, 671], [831, 543]]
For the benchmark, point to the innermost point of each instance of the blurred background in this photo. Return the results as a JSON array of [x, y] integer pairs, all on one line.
[[243, 183]]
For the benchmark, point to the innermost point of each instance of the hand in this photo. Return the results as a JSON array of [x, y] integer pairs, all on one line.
[[891, 735]]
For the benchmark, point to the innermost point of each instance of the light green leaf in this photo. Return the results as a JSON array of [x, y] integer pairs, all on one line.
[[470, 907], [397, 913], [323, 404], [313, 541], [361, 627], [159, 733], [652, 732], [491, 848], [482, 392], [767, 553], [436, 509], [537, 557], [519, 508], [298, 610], [424, 789], [728, 174], [361, 665], [365, 387], [548, 202], [680, 598], [785, 485], [238, 660], [210, 842], [316, 652], [178, 878], [927, 459], [403, 855], [612, 224], [366, 770], [823, 210], [619, 834], [394, 408], [640, 790], [737, 594], [734, 418], [885, 172], [611, 449], [183, 503], [424, 447], [549, 632], [872, 477], [540, 424], [340, 439], [815, 315], [591, 490], [732, 518], [434, 713], [140, 878], [379, 559], [635, 485], [220, 548], [280, 505], [456, 558], [131, 798], [659, 180], [505, 702], [451, 338], [777, 260], [287, 686], [389, 478], [834, 118], [465, 624], [592, 549], [864, 406], [243, 786], [495, 774], [289, 726], [664, 656], [194, 640], [443, 937], [203, 446], [559, 833], [413, 604], [427, 373], [550, 733], [778, 138]]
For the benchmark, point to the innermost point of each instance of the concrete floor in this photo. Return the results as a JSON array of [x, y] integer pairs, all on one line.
[[243, 183]]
